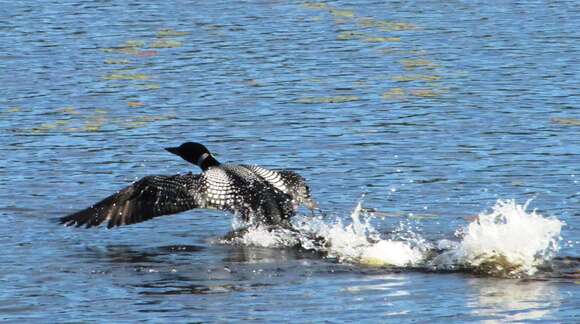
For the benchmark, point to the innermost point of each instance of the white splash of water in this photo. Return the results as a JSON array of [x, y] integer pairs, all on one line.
[[508, 241], [268, 237], [357, 242]]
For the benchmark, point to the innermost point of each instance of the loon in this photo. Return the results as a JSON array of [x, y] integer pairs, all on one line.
[[258, 195]]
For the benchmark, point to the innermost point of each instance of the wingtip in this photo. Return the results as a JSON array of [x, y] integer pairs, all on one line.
[[65, 221], [57, 221], [70, 221]]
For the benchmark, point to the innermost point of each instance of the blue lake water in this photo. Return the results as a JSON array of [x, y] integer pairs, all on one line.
[[434, 109]]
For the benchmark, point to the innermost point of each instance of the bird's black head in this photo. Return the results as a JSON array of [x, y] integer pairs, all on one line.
[[195, 153]]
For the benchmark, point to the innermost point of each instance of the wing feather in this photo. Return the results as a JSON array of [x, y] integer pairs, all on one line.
[[145, 199], [289, 182]]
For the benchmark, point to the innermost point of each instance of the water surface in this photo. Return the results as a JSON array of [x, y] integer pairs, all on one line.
[[435, 109]]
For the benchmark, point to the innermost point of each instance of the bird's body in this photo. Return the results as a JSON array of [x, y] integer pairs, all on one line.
[[258, 195]]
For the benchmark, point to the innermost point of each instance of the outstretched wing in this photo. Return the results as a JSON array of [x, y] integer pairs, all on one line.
[[289, 182], [298, 188], [147, 198]]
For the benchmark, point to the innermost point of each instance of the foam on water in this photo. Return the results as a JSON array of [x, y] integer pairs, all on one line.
[[508, 241]]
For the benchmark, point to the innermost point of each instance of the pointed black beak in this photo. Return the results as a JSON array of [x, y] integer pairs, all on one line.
[[174, 150]]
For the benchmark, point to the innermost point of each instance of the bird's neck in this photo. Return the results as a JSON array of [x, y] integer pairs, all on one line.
[[207, 161]]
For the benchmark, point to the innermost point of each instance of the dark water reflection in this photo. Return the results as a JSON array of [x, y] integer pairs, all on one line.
[[433, 108]]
